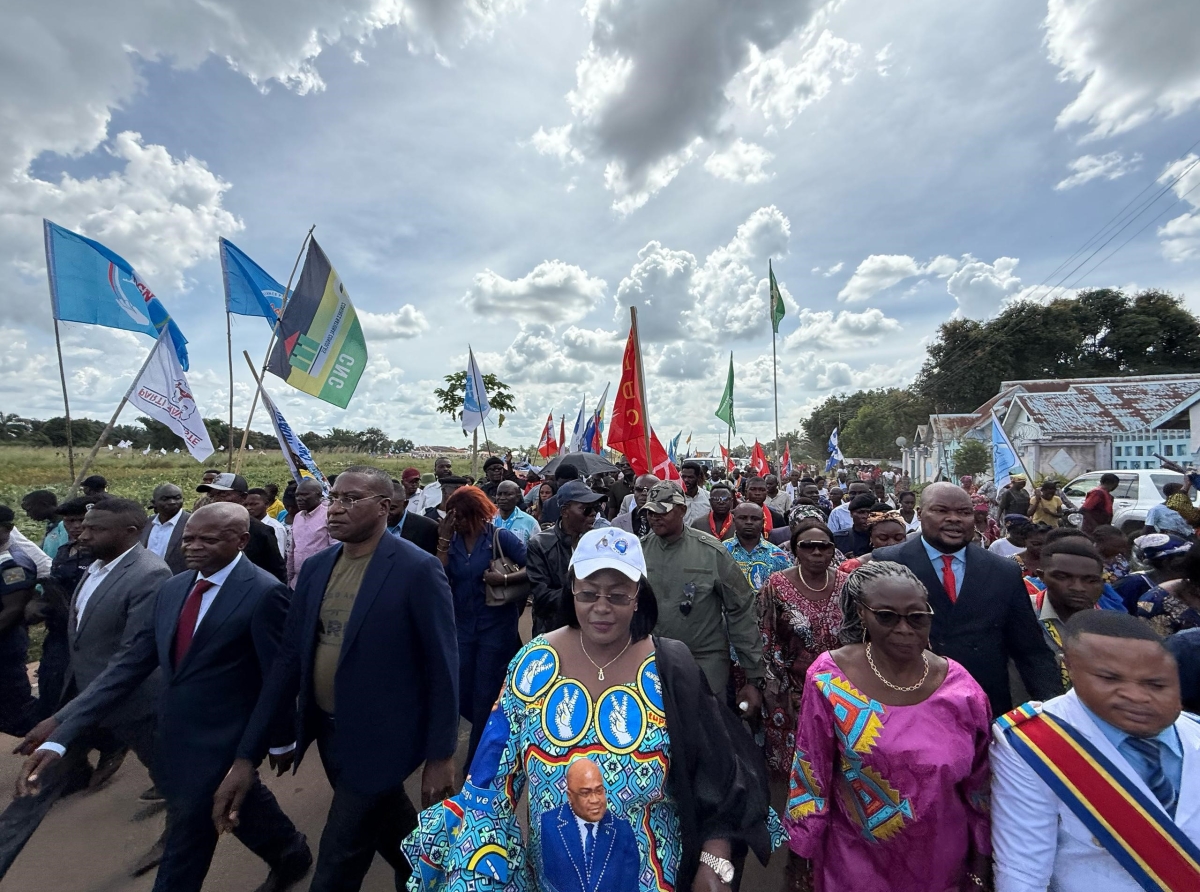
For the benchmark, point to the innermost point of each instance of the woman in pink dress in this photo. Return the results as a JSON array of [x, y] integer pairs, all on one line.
[[889, 783]]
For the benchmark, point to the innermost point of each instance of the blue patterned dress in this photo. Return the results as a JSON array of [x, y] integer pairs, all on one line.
[[542, 721]]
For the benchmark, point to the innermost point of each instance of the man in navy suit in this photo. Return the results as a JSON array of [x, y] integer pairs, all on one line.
[[214, 632], [585, 848], [369, 660], [982, 616]]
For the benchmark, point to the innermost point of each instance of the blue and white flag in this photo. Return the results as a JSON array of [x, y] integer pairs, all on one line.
[[835, 452], [249, 290], [162, 392], [1004, 458], [299, 460], [673, 449], [475, 401], [89, 283], [577, 444], [593, 434]]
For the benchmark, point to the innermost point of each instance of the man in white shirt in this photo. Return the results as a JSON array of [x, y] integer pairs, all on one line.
[[431, 495], [839, 518], [778, 499], [1125, 705], [257, 502], [164, 533], [691, 473]]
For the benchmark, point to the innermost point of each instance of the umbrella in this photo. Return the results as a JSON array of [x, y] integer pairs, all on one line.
[[587, 463]]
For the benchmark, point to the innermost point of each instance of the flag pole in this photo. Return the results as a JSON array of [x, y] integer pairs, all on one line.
[[287, 293], [775, 381], [229, 352], [62, 376], [645, 398], [112, 422]]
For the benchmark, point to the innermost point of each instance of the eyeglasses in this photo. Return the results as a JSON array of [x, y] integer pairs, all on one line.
[[812, 545], [641, 489], [590, 508], [616, 599], [346, 502], [918, 620]]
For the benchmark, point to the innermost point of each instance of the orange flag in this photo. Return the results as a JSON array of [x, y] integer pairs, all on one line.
[[627, 432]]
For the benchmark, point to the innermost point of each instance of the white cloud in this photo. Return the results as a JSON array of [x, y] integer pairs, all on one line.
[[845, 330], [832, 271], [1086, 168], [982, 288], [553, 292], [556, 142], [881, 271], [883, 61], [404, 323], [536, 356], [742, 162], [1181, 235], [782, 92], [593, 345], [1133, 62]]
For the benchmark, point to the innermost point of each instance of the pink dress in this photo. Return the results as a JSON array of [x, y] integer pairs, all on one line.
[[890, 797]]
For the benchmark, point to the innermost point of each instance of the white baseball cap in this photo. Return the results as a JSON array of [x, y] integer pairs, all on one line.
[[609, 548]]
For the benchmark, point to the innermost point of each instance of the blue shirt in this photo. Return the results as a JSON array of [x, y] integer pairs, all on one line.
[[519, 523], [1170, 750], [472, 617], [1168, 520], [958, 564], [398, 528]]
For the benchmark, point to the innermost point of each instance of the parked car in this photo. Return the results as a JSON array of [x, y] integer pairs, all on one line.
[[1137, 493]]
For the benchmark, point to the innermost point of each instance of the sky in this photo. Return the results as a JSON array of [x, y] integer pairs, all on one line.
[[513, 175]]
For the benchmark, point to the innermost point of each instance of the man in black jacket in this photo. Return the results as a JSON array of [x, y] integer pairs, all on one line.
[[263, 548], [549, 552], [402, 523], [982, 616]]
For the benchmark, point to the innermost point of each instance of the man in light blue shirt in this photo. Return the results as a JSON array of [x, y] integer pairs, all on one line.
[[509, 516]]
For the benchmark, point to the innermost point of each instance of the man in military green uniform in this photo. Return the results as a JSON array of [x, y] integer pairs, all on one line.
[[17, 585], [703, 597]]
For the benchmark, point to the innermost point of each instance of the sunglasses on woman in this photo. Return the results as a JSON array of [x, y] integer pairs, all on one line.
[[812, 545], [918, 620], [616, 599]]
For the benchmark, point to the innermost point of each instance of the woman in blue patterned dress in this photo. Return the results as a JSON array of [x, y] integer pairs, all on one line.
[[684, 785]]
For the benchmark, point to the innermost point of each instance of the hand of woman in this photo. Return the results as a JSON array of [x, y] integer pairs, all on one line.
[[707, 881], [446, 526], [491, 577]]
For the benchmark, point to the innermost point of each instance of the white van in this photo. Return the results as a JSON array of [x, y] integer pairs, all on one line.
[[1137, 493]]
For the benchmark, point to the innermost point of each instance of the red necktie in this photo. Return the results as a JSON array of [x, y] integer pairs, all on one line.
[[188, 618], [948, 578]]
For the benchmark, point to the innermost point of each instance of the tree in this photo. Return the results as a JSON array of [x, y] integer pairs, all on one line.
[[402, 444], [871, 420], [450, 397], [84, 431], [972, 457], [374, 440]]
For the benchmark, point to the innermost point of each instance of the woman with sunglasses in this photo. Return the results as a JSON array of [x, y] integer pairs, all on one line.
[[801, 615], [681, 782], [890, 781]]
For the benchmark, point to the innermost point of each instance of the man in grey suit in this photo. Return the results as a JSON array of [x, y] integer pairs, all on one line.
[[163, 535]]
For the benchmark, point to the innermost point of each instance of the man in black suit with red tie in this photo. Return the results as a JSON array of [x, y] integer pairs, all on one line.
[[214, 632]]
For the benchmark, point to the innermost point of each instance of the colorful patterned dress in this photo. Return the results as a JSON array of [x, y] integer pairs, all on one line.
[[795, 632], [542, 722], [890, 797], [1167, 612]]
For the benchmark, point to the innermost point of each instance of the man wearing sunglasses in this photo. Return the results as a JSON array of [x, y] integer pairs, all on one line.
[[634, 520], [549, 552], [982, 614], [701, 591]]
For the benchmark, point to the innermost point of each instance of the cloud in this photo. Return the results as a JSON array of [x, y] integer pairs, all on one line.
[[845, 330], [406, 322], [982, 288], [883, 61], [1086, 168], [881, 271], [553, 292], [556, 142], [1133, 63], [593, 345], [536, 356], [742, 162], [783, 92], [832, 271], [1181, 235]]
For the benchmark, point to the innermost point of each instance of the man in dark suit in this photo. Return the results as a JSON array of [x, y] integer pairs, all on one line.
[[214, 633], [982, 616], [371, 653], [163, 535], [263, 549], [417, 529]]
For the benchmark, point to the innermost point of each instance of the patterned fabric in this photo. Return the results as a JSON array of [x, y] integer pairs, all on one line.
[[1116, 569], [890, 797], [760, 563], [542, 721], [796, 631], [1167, 612]]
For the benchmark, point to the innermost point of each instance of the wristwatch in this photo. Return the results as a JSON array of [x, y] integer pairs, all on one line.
[[722, 868]]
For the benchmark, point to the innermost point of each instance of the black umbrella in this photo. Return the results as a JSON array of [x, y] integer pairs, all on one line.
[[587, 463]]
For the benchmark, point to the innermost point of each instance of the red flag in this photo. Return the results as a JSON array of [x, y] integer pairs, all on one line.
[[547, 447], [758, 461], [627, 431], [727, 459], [785, 463], [562, 433]]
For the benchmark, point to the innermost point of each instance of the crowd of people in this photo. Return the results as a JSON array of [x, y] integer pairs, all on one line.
[[946, 690]]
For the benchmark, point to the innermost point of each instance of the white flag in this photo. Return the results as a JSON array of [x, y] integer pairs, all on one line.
[[146, 451], [163, 393], [475, 401]]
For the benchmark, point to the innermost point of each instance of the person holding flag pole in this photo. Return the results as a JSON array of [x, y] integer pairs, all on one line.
[[777, 313], [835, 452]]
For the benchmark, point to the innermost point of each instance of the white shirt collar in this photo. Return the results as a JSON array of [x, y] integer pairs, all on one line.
[[221, 575], [170, 523], [100, 568]]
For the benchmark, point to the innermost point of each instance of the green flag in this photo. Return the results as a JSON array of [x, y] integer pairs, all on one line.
[[777, 308], [725, 409]]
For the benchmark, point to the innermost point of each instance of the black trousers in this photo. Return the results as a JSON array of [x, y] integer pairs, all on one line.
[[358, 826], [191, 837]]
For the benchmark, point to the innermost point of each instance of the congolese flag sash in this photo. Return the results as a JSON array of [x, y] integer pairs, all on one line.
[[1132, 828], [321, 349]]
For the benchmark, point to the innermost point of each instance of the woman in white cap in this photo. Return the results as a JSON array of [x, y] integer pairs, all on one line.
[[684, 788]]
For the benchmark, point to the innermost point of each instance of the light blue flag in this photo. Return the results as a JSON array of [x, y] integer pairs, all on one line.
[[673, 448], [249, 290], [89, 283], [1004, 458], [835, 452], [577, 444], [475, 401]]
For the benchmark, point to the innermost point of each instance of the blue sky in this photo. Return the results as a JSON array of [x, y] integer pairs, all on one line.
[[513, 174]]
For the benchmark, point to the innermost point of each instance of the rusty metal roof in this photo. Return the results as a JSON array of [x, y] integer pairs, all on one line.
[[1122, 405]]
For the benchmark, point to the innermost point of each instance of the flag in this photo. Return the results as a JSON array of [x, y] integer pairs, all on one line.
[[835, 452], [785, 463], [562, 434], [661, 464], [725, 458], [546, 446], [162, 392], [577, 433], [249, 290], [777, 308], [475, 401], [299, 460], [629, 426], [725, 409], [758, 461], [593, 434], [321, 349], [1004, 457], [673, 448], [89, 283]]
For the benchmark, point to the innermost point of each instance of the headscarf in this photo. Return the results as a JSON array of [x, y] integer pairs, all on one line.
[[800, 512], [1156, 546], [878, 517]]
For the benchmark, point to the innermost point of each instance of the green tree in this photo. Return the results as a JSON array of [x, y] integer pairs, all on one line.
[[374, 440], [450, 397], [403, 444], [84, 431], [972, 457], [871, 420]]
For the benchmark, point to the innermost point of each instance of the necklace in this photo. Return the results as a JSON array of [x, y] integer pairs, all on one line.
[[821, 587], [600, 674], [903, 690]]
